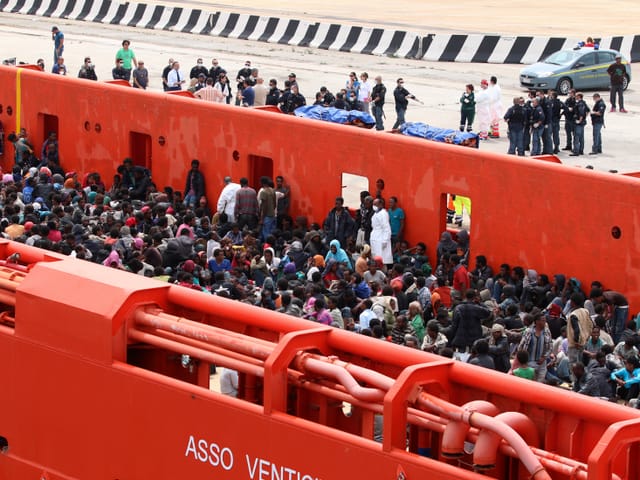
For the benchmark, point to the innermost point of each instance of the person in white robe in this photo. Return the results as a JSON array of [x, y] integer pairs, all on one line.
[[227, 199], [380, 239]]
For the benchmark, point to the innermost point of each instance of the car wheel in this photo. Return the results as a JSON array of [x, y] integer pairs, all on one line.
[[564, 85], [625, 82]]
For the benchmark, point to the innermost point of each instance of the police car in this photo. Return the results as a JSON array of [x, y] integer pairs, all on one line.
[[580, 68]]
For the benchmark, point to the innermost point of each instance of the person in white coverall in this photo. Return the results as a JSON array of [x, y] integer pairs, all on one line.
[[483, 110], [497, 111]]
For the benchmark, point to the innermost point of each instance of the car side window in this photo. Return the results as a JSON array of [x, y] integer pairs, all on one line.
[[606, 57], [588, 59]]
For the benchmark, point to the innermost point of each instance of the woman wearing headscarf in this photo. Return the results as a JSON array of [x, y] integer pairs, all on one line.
[[316, 265], [337, 253], [113, 260]]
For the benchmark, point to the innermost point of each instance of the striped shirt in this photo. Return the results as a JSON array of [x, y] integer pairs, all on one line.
[[209, 94]]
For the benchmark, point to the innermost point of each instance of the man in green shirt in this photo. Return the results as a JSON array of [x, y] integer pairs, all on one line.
[[128, 57]]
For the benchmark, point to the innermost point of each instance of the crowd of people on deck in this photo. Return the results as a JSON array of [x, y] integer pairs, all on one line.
[[355, 270]]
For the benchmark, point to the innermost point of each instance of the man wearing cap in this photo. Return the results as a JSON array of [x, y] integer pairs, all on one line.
[[293, 80], [58, 43], [617, 71], [227, 199]]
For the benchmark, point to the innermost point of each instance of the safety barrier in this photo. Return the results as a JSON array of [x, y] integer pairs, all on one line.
[[476, 48]]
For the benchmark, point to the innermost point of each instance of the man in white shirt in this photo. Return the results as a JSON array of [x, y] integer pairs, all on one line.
[[227, 199], [175, 78]]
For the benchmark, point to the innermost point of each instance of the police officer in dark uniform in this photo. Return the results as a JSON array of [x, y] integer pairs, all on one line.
[[327, 96], [401, 94], [293, 100], [569, 113], [537, 125], [580, 120], [243, 73], [597, 122], [198, 69], [273, 95], [283, 101], [216, 70], [528, 112], [547, 142], [377, 98], [555, 109], [515, 118]]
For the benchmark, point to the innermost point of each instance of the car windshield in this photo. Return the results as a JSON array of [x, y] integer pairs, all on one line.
[[563, 57]]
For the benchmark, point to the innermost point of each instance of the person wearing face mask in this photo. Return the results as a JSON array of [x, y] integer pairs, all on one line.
[[381, 233], [88, 70], [243, 73], [198, 69]]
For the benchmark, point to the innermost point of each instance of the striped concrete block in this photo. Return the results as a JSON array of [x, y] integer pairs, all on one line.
[[328, 36]]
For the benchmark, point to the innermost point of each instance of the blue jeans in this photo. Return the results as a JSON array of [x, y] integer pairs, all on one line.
[[616, 89], [378, 112], [516, 141], [536, 134], [578, 140], [597, 138], [190, 200], [400, 111], [268, 224]]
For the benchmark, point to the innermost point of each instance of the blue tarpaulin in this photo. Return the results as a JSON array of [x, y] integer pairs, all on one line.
[[335, 115], [446, 135]]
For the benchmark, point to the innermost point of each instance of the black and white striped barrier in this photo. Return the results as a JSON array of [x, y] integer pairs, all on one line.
[[327, 36]]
